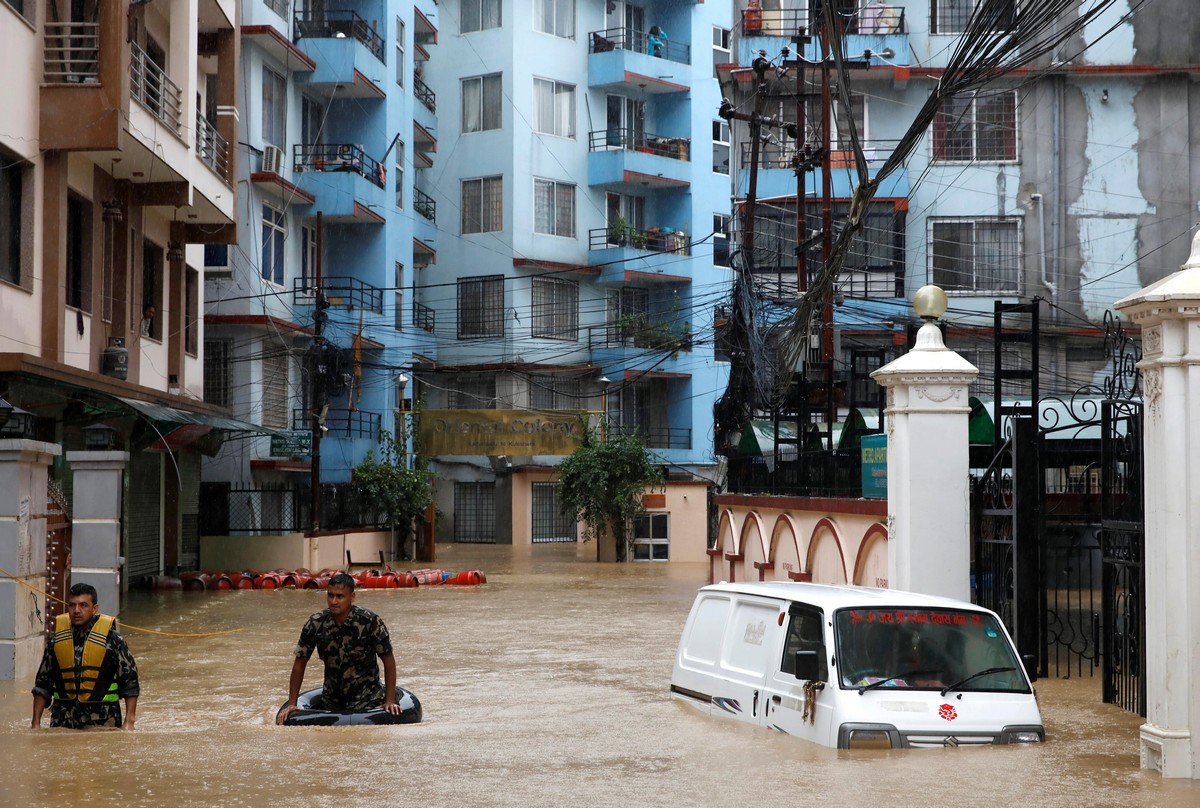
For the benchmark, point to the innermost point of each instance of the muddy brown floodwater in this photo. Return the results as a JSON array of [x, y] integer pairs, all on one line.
[[547, 686]]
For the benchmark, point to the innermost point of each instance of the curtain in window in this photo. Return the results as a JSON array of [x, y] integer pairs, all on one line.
[[469, 16], [274, 109], [564, 110], [564, 210], [543, 206], [543, 106], [492, 214], [472, 105], [996, 260], [491, 102]]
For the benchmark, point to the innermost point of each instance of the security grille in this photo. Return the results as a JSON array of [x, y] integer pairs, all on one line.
[[475, 513], [549, 525]]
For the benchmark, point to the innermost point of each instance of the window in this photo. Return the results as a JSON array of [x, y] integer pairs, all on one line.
[[555, 17], [473, 391], [720, 133], [26, 8], [548, 392], [274, 235], [399, 52], [722, 55], [308, 255], [400, 174], [481, 307], [626, 308], [481, 99], [79, 252], [274, 109], [275, 389], [398, 285], [191, 311], [16, 218], [152, 292], [479, 15], [482, 205], [651, 537], [951, 16], [475, 513], [842, 115], [720, 240], [976, 255], [549, 525], [554, 108], [218, 371], [216, 260], [554, 208], [983, 127], [555, 308]]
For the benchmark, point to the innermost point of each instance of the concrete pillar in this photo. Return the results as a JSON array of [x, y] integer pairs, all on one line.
[[96, 523], [929, 513], [23, 482], [1169, 315]]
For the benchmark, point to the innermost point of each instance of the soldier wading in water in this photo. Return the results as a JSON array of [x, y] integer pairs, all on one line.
[[86, 669], [348, 639]]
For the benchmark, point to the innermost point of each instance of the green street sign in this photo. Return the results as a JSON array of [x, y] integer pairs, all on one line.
[[297, 443]]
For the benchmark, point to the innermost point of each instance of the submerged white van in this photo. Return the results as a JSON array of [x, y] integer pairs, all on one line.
[[856, 668]]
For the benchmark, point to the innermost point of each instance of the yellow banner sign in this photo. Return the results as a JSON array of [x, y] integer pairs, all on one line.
[[444, 433]]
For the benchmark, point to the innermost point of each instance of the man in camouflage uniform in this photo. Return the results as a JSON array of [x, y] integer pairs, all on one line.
[[348, 639], [87, 693]]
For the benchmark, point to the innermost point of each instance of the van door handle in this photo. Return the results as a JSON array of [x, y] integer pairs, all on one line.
[[754, 710]]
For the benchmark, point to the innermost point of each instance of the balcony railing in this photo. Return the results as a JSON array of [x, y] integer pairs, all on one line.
[[654, 239], [631, 139], [351, 293], [425, 204], [631, 39], [315, 23], [874, 19], [151, 87], [341, 423], [638, 331], [211, 146], [424, 316], [423, 94], [782, 155], [72, 53], [661, 437], [339, 157]]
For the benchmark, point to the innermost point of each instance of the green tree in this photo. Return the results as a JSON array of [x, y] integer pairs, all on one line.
[[398, 495], [601, 484]]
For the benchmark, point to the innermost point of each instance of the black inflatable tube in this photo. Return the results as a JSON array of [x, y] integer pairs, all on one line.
[[305, 716]]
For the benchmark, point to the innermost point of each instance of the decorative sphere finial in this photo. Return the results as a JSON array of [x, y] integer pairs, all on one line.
[[930, 302]]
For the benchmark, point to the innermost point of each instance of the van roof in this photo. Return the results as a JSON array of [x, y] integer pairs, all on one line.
[[839, 596]]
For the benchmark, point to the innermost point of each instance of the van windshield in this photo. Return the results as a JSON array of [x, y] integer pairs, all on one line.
[[925, 649]]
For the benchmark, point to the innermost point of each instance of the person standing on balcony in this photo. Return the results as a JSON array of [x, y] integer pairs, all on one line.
[[656, 41]]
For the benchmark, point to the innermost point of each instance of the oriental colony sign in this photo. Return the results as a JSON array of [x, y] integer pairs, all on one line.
[[444, 433]]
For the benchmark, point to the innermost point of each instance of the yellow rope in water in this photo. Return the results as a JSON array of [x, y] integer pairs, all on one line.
[[6, 574]]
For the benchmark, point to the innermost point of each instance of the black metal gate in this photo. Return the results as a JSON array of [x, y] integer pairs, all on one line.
[[1057, 526]]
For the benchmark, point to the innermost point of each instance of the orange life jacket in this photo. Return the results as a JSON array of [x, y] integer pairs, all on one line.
[[95, 679]]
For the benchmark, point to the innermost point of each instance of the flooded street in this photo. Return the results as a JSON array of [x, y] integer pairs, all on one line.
[[546, 686]]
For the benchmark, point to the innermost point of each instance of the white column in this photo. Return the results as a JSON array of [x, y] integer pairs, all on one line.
[[96, 488], [1169, 315], [929, 513], [23, 483]]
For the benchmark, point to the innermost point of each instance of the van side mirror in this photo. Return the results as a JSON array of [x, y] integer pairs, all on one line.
[[810, 663], [1031, 666]]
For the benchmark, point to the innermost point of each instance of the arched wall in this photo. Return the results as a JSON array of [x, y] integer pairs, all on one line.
[[785, 548], [826, 558], [871, 566]]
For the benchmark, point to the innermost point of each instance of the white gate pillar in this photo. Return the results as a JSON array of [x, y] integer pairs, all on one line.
[[97, 486], [928, 462], [23, 494], [1169, 315]]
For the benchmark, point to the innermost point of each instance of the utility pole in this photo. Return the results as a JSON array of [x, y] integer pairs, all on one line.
[[318, 370], [827, 228]]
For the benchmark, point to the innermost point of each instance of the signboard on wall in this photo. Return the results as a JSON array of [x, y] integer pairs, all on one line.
[[874, 466], [297, 443], [445, 433]]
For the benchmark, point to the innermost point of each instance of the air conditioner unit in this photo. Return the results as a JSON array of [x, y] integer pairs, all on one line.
[[272, 159]]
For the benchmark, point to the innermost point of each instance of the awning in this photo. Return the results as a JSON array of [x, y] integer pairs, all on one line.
[[178, 428]]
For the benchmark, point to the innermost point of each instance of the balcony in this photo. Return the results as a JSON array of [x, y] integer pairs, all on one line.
[[346, 49], [777, 171], [425, 204], [341, 423], [151, 87], [211, 147], [72, 53], [423, 94], [346, 183], [340, 291], [625, 254], [631, 159], [619, 59], [424, 317], [650, 240], [663, 437], [880, 29]]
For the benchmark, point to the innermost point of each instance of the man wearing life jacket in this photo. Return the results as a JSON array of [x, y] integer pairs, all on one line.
[[348, 639], [86, 669]]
